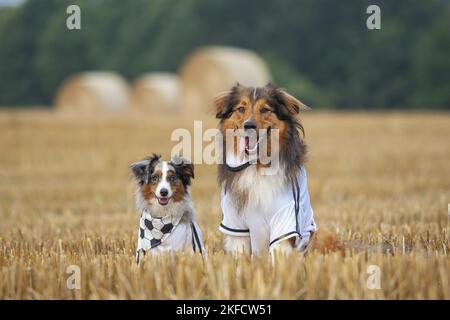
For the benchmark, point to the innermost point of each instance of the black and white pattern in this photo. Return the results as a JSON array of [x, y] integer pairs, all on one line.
[[158, 235], [154, 231]]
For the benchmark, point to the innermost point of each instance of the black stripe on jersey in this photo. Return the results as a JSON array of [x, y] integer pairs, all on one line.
[[296, 194], [234, 230], [283, 236], [193, 242], [196, 238]]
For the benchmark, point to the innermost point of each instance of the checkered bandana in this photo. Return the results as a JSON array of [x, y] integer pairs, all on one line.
[[153, 231]]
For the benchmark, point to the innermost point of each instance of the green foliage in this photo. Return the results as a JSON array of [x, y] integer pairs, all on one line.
[[432, 70], [320, 50], [297, 84]]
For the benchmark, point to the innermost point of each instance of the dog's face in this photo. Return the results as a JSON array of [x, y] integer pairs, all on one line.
[[163, 181], [257, 111]]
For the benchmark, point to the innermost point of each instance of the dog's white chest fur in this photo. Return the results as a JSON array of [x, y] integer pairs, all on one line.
[[260, 189]]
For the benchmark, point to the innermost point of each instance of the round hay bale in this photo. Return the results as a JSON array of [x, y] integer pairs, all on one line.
[[156, 92], [211, 70], [93, 92]]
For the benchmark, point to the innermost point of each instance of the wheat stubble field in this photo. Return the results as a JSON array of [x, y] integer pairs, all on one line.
[[66, 198]]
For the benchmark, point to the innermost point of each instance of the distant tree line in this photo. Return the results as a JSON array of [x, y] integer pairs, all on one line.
[[321, 50]]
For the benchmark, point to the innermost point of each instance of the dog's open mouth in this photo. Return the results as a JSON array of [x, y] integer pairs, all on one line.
[[250, 143], [163, 200]]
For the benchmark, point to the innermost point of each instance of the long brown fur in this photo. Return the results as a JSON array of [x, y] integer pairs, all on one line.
[[283, 114], [325, 241]]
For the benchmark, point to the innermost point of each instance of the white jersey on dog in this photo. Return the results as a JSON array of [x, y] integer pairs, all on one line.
[[288, 215], [158, 235]]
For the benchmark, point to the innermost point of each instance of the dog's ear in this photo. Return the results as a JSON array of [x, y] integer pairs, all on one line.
[[220, 104], [223, 102], [292, 104], [288, 107], [141, 170], [184, 169]]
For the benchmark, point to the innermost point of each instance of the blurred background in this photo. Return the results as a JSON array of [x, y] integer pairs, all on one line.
[[319, 50]]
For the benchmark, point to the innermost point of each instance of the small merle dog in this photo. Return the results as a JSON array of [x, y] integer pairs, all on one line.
[[167, 213]]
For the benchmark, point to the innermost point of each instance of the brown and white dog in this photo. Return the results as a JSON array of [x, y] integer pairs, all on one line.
[[265, 212], [167, 213]]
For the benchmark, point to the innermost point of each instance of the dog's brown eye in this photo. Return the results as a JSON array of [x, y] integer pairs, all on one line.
[[264, 110], [172, 179], [241, 109]]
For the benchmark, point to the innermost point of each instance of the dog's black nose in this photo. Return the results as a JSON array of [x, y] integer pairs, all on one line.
[[163, 192], [249, 124]]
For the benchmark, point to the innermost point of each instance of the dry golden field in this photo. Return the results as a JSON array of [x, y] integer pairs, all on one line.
[[66, 198]]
